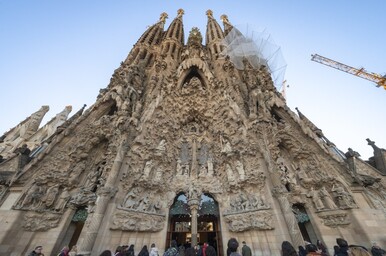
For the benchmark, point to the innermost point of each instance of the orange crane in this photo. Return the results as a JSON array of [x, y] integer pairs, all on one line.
[[373, 77]]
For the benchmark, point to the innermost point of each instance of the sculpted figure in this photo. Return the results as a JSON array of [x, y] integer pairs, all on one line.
[[147, 169], [343, 198], [158, 174], [210, 166], [328, 202], [50, 196], [314, 194], [185, 169], [202, 171], [33, 195], [75, 173], [161, 148], [226, 146], [194, 193], [240, 170], [143, 204], [91, 180], [231, 177], [130, 198], [62, 201], [179, 170]]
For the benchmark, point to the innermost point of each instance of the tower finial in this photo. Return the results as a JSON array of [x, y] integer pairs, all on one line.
[[163, 17], [209, 13], [180, 12], [224, 19]]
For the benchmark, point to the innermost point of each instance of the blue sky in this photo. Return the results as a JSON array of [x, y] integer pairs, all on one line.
[[60, 53]]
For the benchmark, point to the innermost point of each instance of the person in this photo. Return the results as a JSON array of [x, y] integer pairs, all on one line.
[[377, 251], [74, 251], [287, 249], [336, 250], [322, 248], [130, 251], [119, 251], [181, 250], [144, 251], [246, 250], [190, 252], [232, 247], [172, 251], [205, 245], [342, 249], [302, 251], [37, 251], [106, 253], [312, 250], [198, 249], [210, 251], [153, 250], [64, 251]]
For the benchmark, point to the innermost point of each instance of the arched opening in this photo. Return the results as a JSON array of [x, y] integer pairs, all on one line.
[[75, 228], [304, 223], [208, 222]]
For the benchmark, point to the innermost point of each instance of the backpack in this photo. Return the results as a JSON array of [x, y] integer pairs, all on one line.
[[171, 252]]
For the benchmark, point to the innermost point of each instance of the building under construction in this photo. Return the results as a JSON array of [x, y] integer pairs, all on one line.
[[190, 141]]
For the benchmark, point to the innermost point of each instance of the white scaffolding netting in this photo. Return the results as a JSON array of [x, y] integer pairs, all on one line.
[[259, 49]]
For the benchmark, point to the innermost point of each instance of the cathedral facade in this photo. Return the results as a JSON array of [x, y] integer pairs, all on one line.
[[182, 145]]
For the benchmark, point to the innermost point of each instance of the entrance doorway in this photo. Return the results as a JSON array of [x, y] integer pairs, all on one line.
[[304, 223], [208, 223]]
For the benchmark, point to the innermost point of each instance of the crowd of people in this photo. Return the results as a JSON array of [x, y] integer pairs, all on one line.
[[342, 248]]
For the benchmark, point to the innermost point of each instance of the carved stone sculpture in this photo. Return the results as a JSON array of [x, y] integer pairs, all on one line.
[[132, 221], [314, 194], [33, 221], [326, 197], [261, 220], [343, 198]]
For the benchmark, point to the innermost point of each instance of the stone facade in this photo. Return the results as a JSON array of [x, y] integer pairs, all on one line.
[[177, 119]]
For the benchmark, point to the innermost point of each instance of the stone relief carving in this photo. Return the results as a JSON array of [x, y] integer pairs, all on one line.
[[261, 220], [334, 218], [82, 198], [33, 221], [316, 199], [327, 199], [62, 200], [133, 221], [243, 202], [343, 198], [139, 200]]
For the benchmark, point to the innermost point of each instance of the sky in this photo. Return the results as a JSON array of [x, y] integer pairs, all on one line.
[[61, 53]]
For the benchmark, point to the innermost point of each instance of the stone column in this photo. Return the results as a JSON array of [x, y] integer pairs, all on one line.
[[194, 202], [286, 208], [194, 210], [104, 194]]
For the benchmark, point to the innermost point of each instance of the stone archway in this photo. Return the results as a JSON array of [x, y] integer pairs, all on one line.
[[189, 230]]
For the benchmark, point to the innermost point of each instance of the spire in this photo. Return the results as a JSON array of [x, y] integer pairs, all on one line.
[[176, 29], [214, 35], [213, 29], [174, 37], [153, 34], [227, 25]]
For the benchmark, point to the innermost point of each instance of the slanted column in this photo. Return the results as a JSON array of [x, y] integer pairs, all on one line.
[[286, 208], [194, 202], [104, 194]]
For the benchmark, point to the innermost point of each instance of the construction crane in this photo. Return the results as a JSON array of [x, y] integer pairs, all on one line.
[[373, 77]]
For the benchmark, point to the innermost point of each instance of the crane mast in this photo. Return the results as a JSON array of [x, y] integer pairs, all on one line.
[[373, 77]]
